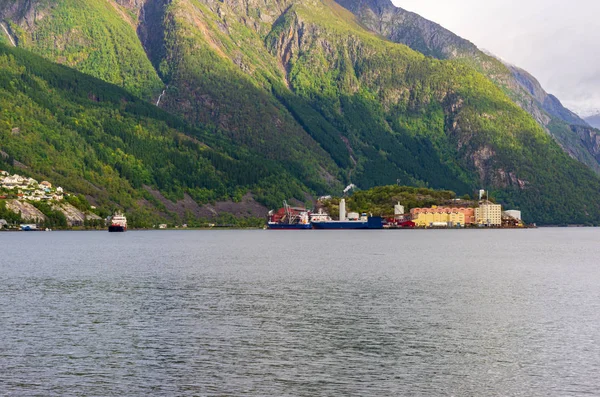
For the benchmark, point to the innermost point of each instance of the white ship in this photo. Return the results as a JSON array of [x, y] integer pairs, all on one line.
[[118, 223]]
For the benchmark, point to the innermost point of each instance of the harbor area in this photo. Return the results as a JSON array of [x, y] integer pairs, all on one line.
[[357, 213]]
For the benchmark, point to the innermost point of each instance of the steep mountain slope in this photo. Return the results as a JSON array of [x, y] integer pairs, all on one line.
[[97, 37], [355, 78], [96, 33], [402, 26], [429, 38], [545, 101], [321, 100], [96, 139], [219, 73]]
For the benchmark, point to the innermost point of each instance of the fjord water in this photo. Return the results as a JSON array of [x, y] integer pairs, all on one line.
[[302, 313]]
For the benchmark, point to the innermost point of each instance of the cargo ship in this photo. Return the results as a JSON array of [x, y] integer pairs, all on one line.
[[118, 223], [289, 218], [351, 222]]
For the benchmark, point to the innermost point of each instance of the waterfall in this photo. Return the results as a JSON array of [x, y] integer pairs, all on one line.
[[8, 34], [161, 95]]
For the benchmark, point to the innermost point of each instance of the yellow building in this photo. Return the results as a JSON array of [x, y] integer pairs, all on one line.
[[489, 214], [435, 216]]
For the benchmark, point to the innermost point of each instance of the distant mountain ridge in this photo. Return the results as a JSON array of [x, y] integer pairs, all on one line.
[[594, 120], [402, 26], [547, 102]]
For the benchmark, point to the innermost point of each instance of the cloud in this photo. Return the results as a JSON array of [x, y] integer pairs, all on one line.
[[555, 40]]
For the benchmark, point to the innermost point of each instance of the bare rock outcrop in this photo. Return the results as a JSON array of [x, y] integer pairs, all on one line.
[[28, 212]]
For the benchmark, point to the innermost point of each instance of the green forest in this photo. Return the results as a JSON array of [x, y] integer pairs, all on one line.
[[380, 200]]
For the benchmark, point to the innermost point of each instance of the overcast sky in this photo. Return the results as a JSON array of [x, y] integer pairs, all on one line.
[[558, 41]]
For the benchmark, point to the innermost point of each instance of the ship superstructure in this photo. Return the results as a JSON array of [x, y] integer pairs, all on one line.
[[350, 221], [290, 218], [118, 223]]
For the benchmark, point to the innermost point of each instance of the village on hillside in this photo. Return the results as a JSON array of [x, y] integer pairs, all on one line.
[[28, 188], [25, 199]]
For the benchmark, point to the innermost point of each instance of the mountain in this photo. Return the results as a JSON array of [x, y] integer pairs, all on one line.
[[549, 103], [420, 34], [300, 85], [401, 26], [429, 38], [594, 120]]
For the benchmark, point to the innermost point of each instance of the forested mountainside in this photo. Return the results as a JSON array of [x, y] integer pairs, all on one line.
[[96, 139], [425, 36], [305, 87]]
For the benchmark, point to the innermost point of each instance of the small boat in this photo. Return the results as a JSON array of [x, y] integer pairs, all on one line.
[[118, 223]]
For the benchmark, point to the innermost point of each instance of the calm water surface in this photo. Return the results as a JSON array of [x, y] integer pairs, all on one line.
[[306, 313]]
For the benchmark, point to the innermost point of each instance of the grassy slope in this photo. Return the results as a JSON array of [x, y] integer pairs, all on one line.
[[3, 38]]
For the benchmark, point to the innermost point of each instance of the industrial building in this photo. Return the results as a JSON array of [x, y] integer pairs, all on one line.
[[488, 214], [443, 216]]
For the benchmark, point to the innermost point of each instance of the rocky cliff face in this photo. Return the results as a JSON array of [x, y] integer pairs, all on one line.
[[405, 27], [590, 137]]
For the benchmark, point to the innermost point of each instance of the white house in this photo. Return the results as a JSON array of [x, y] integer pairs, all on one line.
[[11, 181]]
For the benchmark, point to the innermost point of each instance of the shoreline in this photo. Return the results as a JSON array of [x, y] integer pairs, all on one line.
[[264, 228]]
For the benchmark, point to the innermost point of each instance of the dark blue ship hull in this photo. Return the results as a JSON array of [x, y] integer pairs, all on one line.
[[374, 222], [285, 226]]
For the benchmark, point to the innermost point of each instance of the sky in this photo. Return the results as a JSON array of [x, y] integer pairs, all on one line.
[[558, 41]]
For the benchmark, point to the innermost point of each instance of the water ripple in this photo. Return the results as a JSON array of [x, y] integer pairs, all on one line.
[[258, 313]]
